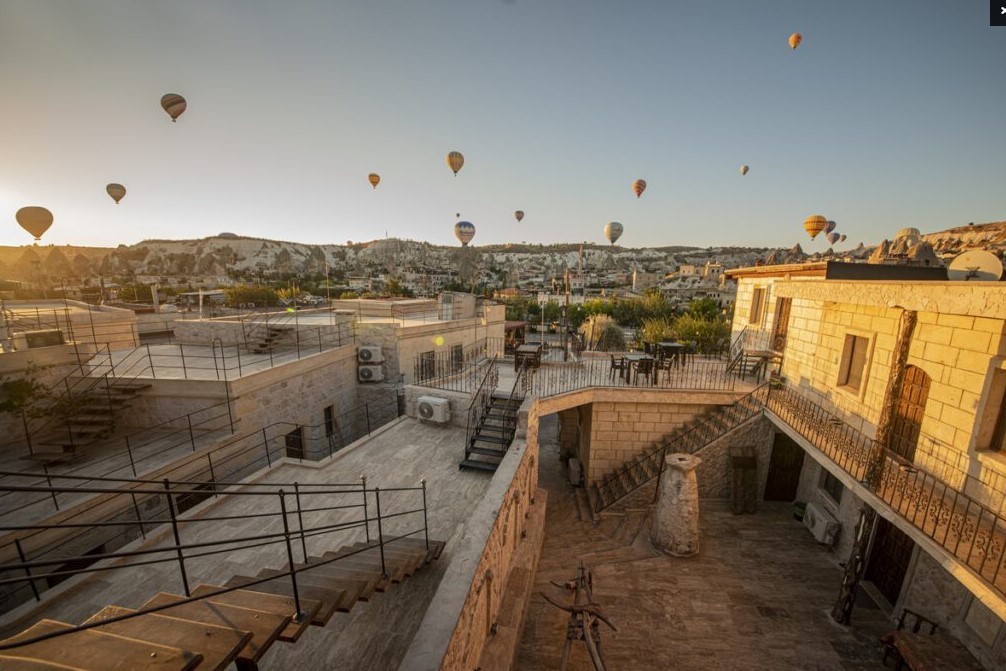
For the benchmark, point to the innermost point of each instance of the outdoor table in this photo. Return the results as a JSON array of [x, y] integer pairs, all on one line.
[[634, 360], [529, 353]]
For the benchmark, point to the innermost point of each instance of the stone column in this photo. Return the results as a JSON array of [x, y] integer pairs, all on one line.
[[676, 517]]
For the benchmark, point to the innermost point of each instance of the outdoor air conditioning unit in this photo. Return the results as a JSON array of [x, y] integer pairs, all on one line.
[[368, 354], [367, 373], [821, 524], [433, 409]]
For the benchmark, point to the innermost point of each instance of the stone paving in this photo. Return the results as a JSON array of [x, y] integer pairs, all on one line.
[[757, 596]]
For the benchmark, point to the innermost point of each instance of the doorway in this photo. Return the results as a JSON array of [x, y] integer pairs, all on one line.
[[784, 469], [889, 559]]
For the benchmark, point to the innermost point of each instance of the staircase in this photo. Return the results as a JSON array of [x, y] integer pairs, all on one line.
[[93, 419], [493, 434], [272, 336], [219, 625], [691, 438]]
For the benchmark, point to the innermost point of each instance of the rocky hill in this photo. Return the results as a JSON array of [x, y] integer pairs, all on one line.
[[250, 258]]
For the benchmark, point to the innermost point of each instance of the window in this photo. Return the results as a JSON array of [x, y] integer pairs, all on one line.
[[757, 303], [457, 358], [832, 486], [294, 443], [427, 365], [853, 364], [329, 420]]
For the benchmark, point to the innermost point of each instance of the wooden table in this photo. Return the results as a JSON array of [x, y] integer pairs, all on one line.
[[529, 353], [930, 652]]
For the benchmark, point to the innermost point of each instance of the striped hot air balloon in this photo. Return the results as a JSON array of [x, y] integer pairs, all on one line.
[[464, 231], [455, 160], [638, 187], [794, 40], [830, 227], [834, 237], [174, 105], [814, 224]]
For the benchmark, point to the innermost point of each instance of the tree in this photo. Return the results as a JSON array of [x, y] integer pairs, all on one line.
[[600, 332], [704, 308], [25, 396], [709, 335], [658, 329], [257, 295]]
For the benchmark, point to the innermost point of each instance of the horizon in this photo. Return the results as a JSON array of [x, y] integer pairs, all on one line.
[[882, 118]]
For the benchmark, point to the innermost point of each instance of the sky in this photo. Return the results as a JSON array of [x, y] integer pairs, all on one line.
[[889, 114]]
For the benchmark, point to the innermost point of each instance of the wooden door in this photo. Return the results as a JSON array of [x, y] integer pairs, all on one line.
[[781, 327], [907, 422], [889, 558], [784, 469]]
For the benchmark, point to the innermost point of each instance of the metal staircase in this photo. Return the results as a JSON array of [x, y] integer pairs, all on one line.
[[689, 439], [492, 421]]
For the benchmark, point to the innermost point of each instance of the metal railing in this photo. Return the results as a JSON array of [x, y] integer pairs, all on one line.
[[298, 515], [972, 532], [689, 439], [456, 369], [696, 374], [233, 459], [482, 399]]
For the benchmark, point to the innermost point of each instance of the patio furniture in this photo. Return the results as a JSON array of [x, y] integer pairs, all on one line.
[[923, 648], [620, 365], [527, 353]]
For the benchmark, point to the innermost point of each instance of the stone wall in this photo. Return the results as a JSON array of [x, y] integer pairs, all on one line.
[[933, 593], [845, 511], [460, 618], [459, 402]]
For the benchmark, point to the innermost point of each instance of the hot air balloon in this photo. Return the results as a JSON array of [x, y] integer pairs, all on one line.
[[374, 178], [842, 237], [613, 231], [519, 214], [834, 237], [173, 104], [744, 170], [116, 191], [455, 160], [794, 40], [464, 231], [638, 187], [830, 227], [814, 224], [36, 220]]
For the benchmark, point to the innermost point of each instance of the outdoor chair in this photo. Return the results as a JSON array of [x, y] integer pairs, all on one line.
[[644, 369], [620, 365]]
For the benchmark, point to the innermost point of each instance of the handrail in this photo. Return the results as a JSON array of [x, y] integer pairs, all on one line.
[[956, 521], [180, 551], [482, 399], [710, 427]]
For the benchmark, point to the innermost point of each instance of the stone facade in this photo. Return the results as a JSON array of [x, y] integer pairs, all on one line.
[[462, 616]]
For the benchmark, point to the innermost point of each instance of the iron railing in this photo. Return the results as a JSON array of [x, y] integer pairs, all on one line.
[[482, 399], [972, 532], [299, 514], [232, 459], [697, 374], [457, 368]]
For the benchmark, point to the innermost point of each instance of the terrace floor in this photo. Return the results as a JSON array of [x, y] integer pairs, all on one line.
[[758, 596]]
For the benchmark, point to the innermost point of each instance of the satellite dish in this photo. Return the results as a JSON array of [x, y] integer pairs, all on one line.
[[975, 265]]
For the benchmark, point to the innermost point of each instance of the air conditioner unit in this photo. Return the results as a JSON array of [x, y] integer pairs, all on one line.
[[821, 524], [433, 409], [368, 354], [367, 373]]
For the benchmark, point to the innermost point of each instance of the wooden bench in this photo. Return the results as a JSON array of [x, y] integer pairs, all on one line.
[[923, 648]]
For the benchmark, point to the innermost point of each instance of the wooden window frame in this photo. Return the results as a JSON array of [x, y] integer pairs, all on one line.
[[758, 300], [850, 351]]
